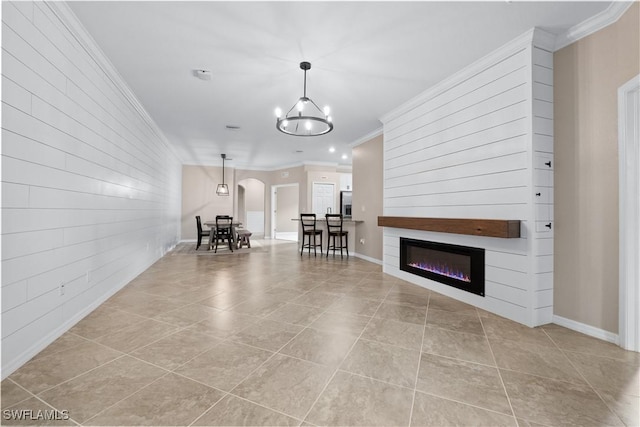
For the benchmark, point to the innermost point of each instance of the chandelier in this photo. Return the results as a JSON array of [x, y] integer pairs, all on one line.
[[307, 119], [223, 189]]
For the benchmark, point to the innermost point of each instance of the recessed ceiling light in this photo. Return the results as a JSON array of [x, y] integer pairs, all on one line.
[[332, 149], [344, 157]]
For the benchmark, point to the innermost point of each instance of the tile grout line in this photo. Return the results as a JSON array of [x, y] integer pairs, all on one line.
[[346, 356], [277, 352], [504, 387], [126, 397], [415, 383], [584, 378]]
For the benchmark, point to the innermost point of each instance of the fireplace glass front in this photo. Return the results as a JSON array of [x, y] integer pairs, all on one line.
[[458, 266]]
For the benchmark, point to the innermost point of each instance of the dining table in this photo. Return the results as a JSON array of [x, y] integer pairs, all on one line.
[[212, 227]]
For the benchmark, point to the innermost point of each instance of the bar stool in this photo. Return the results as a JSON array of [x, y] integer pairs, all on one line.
[[334, 229], [309, 229]]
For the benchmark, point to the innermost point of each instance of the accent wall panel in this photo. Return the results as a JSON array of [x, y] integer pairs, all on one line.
[[466, 149], [90, 186]]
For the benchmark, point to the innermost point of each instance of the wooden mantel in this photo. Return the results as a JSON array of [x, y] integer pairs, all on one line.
[[476, 227]]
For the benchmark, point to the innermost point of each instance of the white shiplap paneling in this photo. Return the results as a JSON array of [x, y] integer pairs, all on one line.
[[91, 189], [476, 147]]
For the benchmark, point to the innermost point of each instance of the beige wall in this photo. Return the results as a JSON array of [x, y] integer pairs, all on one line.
[[254, 194], [367, 193], [199, 196], [288, 208], [269, 178], [587, 75]]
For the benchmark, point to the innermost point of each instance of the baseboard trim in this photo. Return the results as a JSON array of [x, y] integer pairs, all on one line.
[[592, 331], [45, 341], [368, 258]]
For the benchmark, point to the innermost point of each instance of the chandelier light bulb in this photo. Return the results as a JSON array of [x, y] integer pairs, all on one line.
[[304, 118], [327, 110]]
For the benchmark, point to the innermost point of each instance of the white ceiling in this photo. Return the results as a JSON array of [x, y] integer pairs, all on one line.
[[367, 58]]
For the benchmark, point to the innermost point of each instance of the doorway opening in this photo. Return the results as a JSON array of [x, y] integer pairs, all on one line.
[[285, 205], [629, 229], [251, 206]]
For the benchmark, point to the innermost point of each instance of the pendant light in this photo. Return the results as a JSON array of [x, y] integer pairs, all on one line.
[[307, 119], [223, 189]]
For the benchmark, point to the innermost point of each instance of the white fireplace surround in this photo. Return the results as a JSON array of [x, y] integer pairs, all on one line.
[[480, 145]]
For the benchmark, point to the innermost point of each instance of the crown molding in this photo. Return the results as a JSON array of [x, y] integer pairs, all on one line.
[[544, 39], [589, 26], [366, 137], [515, 45], [70, 21]]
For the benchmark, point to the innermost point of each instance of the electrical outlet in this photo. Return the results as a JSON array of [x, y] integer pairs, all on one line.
[[87, 276], [61, 288], [363, 209], [362, 241]]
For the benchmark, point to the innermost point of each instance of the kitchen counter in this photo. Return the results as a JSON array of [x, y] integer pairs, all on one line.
[[348, 224]]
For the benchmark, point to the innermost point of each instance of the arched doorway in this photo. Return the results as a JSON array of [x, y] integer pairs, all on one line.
[[251, 205]]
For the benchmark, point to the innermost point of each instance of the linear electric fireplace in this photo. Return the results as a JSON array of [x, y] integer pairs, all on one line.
[[458, 266]]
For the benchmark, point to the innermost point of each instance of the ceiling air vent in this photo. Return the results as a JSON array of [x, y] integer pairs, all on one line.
[[233, 128]]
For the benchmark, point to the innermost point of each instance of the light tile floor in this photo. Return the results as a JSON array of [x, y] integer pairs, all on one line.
[[272, 338]]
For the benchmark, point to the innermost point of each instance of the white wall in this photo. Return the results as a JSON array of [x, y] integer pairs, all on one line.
[[90, 188], [470, 148]]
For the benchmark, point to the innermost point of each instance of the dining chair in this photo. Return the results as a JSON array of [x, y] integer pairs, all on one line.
[[309, 230], [201, 232], [334, 230], [224, 230]]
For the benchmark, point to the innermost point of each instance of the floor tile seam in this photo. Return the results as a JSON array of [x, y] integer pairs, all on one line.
[[586, 380], [221, 341], [600, 356], [126, 396], [434, 325], [544, 377], [337, 369], [88, 421], [495, 362], [301, 331], [457, 313], [273, 356], [179, 366], [60, 351], [30, 395], [77, 376], [415, 383], [457, 359], [179, 329], [378, 380], [389, 344], [262, 405], [497, 339], [466, 403], [56, 409]]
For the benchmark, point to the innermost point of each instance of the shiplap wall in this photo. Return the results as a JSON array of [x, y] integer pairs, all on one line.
[[475, 147], [90, 188]]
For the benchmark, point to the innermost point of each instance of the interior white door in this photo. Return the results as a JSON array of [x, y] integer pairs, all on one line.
[[323, 198]]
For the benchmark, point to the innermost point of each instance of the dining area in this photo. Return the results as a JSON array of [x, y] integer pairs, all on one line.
[[222, 231]]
